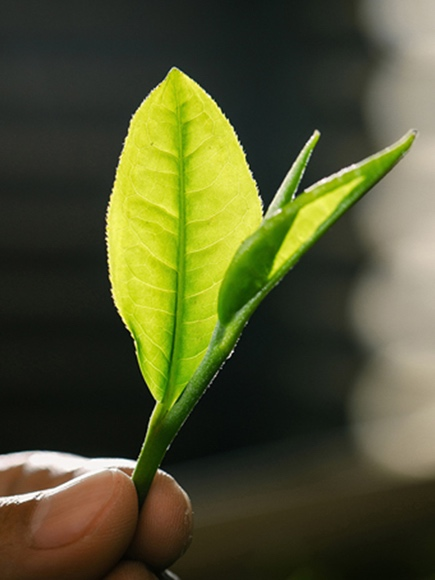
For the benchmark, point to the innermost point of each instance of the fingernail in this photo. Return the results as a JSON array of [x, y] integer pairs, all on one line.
[[64, 514]]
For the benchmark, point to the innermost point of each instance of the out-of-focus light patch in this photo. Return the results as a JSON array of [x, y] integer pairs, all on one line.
[[394, 300], [400, 96], [401, 210], [393, 305], [394, 410], [398, 23]]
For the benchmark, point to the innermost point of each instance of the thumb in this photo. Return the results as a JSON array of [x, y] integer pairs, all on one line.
[[77, 531]]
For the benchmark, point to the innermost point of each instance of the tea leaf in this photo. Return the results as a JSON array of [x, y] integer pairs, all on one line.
[[295, 224], [287, 190], [322, 204], [249, 271], [183, 201], [250, 268]]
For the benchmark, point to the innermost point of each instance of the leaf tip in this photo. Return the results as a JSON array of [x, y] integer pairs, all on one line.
[[411, 135], [315, 136], [174, 70], [175, 74], [403, 145]]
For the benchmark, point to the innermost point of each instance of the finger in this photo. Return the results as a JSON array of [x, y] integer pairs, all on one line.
[[77, 531], [131, 571], [28, 471], [165, 524]]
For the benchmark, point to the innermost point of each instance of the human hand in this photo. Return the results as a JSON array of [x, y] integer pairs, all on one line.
[[67, 517]]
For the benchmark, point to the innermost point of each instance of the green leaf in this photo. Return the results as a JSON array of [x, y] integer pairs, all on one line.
[[288, 188], [183, 201], [250, 268], [326, 201], [295, 225]]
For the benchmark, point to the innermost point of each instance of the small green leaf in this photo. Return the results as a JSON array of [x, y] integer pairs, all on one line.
[[296, 224], [288, 188], [250, 268], [325, 202], [183, 201]]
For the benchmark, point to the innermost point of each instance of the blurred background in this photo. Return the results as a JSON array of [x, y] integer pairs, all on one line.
[[311, 457]]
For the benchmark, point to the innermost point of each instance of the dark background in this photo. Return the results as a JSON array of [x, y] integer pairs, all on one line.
[[71, 75]]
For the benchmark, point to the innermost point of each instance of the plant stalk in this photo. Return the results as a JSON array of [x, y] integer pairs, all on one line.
[[165, 422]]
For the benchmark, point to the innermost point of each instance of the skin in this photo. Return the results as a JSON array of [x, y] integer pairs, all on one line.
[[118, 543]]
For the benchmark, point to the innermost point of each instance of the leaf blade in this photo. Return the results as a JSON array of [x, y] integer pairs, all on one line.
[[254, 258], [271, 251], [322, 204], [287, 190], [182, 202]]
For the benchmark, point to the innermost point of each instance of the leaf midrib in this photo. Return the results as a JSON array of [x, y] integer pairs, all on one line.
[[168, 395]]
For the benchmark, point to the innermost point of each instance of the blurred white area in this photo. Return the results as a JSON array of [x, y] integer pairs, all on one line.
[[393, 307]]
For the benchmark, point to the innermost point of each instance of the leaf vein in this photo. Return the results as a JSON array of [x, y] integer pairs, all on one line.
[[154, 343]]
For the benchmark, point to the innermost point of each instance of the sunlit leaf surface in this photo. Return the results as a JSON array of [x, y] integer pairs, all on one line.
[[183, 201], [325, 202], [295, 224]]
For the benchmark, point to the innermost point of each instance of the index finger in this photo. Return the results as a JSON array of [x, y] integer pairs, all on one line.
[[27, 471]]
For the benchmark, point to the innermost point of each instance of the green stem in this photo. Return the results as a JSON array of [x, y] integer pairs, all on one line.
[[165, 422], [152, 452]]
